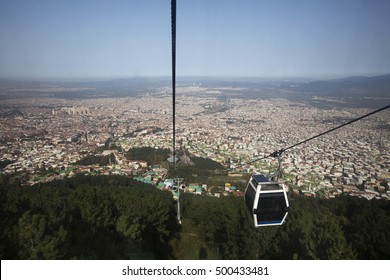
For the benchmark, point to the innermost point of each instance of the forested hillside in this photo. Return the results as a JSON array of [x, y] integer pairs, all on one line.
[[341, 228], [86, 217], [114, 217]]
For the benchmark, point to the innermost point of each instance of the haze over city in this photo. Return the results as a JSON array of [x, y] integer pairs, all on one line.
[[105, 39]]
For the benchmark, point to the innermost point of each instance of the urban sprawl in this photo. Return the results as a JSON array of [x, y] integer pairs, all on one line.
[[45, 133]]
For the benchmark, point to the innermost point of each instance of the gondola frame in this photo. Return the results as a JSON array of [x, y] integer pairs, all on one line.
[[258, 183]]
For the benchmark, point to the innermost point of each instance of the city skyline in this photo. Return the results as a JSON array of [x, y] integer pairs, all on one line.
[[102, 39]]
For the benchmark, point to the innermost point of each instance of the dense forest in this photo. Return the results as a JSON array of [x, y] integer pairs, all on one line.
[[85, 217], [341, 228], [148, 154], [96, 159], [114, 217], [203, 170]]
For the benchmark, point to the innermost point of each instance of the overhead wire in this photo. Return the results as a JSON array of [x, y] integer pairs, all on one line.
[[173, 45]]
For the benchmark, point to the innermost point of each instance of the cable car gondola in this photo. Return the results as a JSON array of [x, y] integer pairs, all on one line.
[[266, 201]]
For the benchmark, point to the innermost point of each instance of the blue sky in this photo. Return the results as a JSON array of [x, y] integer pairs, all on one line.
[[240, 38]]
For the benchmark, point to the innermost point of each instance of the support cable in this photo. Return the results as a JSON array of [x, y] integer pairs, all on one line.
[[173, 37]]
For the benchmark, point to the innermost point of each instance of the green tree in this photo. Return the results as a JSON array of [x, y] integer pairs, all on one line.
[[35, 239]]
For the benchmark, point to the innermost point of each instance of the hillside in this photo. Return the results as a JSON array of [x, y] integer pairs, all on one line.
[[114, 217]]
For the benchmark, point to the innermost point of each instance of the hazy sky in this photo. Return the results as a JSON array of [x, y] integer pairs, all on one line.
[[89, 39]]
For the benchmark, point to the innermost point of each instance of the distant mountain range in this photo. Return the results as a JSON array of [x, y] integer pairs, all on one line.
[[351, 91], [358, 91], [377, 85]]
